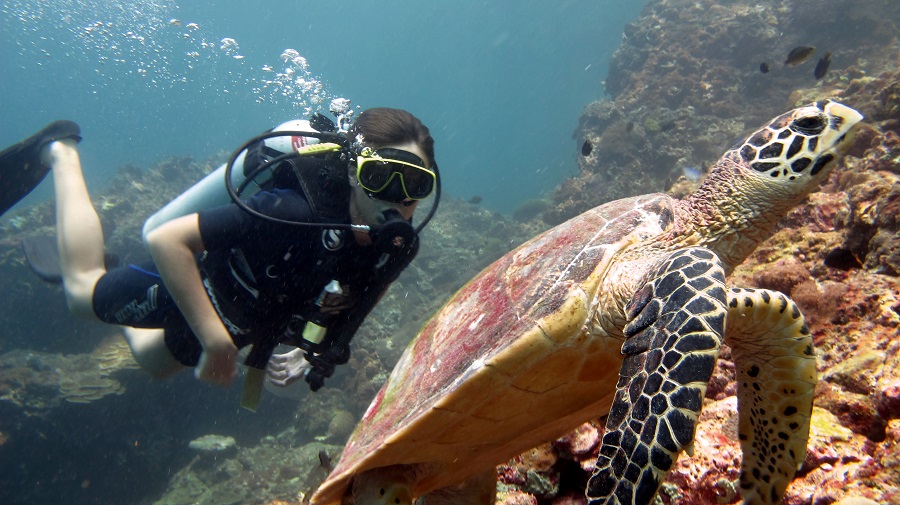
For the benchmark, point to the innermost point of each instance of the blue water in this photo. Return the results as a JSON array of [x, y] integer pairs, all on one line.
[[501, 83]]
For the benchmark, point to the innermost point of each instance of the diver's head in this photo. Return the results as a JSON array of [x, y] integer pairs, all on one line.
[[387, 184], [392, 166]]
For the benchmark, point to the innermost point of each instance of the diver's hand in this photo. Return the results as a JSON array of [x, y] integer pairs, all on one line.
[[286, 369], [217, 364]]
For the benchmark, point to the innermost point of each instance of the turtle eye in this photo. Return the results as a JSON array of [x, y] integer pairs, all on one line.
[[809, 125]]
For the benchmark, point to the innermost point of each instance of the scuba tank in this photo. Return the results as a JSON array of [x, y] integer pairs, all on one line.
[[211, 191]]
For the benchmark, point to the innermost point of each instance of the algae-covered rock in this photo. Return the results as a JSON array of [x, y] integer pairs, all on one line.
[[271, 470], [530, 209], [214, 443]]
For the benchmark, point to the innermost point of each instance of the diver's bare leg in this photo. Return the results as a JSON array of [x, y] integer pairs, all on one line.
[[79, 234], [149, 349], [80, 239]]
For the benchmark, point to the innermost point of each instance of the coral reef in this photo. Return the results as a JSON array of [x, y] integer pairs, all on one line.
[[36, 381], [271, 472], [685, 83]]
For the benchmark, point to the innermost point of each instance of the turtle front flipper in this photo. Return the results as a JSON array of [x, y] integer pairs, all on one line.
[[775, 365], [672, 341]]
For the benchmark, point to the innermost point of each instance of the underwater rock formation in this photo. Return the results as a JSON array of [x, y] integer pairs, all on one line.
[[685, 83], [273, 469]]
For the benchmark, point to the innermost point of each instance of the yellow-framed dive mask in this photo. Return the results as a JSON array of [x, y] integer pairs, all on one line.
[[393, 175]]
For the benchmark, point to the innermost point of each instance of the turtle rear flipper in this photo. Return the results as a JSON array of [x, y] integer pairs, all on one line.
[[382, 486], [775, 365], [676, 324]]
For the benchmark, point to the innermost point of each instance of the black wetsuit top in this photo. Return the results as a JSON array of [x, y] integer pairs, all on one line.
[[260, 276]]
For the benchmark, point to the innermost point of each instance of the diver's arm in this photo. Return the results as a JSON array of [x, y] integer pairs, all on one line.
[[173, 246]]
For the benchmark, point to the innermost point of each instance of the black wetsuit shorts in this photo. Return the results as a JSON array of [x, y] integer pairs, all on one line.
[[135, 296]]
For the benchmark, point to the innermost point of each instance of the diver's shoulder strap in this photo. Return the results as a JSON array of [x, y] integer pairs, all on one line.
[[325, 184]]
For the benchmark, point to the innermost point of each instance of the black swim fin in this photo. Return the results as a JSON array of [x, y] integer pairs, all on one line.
[[42, 255], [21, 169]]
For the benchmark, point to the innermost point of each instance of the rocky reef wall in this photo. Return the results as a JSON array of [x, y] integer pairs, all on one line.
[[686, 83]]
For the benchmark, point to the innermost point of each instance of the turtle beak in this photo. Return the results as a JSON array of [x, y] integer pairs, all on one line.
[[843, 123]]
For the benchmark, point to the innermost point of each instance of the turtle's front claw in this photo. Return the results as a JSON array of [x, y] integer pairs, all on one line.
[[639, 301], [644, 319]]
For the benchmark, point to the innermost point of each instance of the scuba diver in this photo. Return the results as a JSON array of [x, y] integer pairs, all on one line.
[[301, 262]]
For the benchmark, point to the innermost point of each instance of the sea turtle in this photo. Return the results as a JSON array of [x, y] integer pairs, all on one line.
[[619, 311]]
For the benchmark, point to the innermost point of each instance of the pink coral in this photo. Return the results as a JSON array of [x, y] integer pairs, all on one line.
[[580, 441], [517, 498]]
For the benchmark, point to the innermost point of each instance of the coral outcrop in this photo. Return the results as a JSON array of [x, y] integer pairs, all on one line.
[[37, 381], [685, 84], [273, 468]]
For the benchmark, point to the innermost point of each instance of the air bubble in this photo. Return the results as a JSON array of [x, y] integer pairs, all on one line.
[[114, 40]]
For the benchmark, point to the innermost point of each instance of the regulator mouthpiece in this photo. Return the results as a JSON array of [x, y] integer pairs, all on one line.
[[395, 235]]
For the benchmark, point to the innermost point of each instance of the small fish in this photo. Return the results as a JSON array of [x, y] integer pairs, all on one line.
[[586, 148], [325, 461], [475, 200], [799, 55], [629, 126], [822, 66], [764, 67]]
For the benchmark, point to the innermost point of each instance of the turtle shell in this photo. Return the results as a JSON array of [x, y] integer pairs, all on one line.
[[517, 357]]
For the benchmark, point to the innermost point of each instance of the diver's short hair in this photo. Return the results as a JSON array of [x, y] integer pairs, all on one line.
[[383, 126]]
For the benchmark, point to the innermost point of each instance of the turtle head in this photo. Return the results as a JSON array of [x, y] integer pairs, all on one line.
[[797, 149], [759, 180]]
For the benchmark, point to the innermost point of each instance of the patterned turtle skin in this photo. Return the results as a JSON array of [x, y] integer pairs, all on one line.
[[619, 311]]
